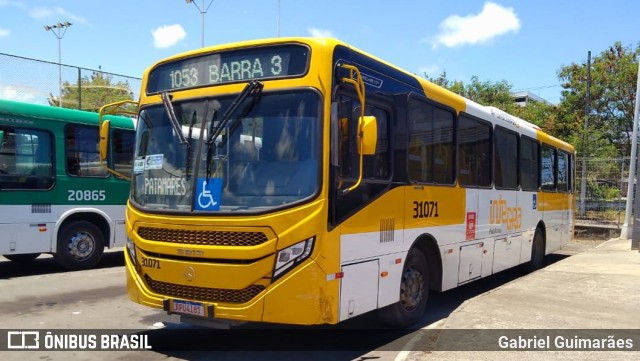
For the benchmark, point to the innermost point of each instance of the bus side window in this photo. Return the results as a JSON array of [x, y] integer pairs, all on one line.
[[82, 154], [475, 154], [548, 171], [27, 157]]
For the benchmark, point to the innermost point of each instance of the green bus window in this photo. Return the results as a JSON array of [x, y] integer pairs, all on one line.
[[82, 154], [122, 150], [26, 159]]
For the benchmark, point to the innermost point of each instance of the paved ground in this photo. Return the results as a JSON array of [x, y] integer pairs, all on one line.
[[595, 289]]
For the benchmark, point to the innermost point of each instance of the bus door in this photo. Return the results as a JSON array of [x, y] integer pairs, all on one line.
[[26, 178]]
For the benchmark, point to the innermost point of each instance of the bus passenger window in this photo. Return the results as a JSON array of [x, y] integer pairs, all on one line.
[[529, 164], [506, 159], [548, 171], [474, 152], [26, 159], [82, 154], [430, 143]]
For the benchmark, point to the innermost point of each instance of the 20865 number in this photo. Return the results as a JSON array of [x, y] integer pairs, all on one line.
[[86, 195]]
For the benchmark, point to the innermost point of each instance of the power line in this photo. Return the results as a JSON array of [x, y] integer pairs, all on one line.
[[538, 88]]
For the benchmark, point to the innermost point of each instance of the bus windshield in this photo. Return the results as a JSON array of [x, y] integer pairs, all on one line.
[[265, 157]]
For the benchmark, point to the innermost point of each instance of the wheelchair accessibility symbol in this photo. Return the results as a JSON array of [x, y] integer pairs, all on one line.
[[208, 194]]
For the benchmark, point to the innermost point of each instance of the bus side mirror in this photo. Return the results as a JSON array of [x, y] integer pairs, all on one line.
[[369, 131], [104, 141]]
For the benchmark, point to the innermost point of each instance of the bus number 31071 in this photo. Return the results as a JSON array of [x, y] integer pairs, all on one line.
[[86, 195], [426, 209]]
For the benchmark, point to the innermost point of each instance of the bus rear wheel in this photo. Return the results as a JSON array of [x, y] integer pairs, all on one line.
[[414, 292], [21, 258], [80, 246], [537, 253]]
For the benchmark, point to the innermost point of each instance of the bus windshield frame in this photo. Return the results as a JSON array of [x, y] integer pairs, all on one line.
[[267, 157]]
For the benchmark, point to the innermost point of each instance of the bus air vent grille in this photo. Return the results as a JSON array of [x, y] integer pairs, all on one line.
[[209, 238], [203, 293]]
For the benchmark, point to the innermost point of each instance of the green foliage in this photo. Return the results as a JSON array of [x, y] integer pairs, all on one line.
[[93, 92], [498, 94], [599, 189], [614, 74]]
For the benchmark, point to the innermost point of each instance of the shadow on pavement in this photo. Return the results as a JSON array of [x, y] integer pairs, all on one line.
[[45, 264]]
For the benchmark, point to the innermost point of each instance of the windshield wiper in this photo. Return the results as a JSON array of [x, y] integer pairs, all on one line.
[[191, 123], [214, 119], [168, 106], [253, 87]]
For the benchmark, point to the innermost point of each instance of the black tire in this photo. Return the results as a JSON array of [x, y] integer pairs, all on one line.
[[414, 293], [80, 246], [537, 253], [21, 258]]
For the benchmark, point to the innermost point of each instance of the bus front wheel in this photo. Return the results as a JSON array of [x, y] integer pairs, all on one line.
[[80, 246], [414, 292]]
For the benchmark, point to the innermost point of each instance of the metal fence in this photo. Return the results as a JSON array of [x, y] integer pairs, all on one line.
[[605, 183], [43, 82]]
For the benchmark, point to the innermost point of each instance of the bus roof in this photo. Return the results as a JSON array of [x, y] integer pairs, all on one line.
[[37, 111]]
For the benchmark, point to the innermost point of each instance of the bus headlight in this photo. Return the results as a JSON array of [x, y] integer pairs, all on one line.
[[131, 248], [292, 256]]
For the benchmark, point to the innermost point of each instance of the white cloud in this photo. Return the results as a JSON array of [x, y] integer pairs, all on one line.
[[494, 20], [11, 3], [321, 33], [60, 14], [168, 35], [40, 13], [4, 32], [19, 94]]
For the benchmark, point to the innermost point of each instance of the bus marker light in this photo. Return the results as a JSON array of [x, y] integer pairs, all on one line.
[[398, 260], [42, 227], [384, 274]]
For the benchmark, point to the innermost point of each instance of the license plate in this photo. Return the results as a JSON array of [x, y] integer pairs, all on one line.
[[188, 308]]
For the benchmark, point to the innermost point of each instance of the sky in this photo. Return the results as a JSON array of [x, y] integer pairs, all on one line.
[[522, 42]]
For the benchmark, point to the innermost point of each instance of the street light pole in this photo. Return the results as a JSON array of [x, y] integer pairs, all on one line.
[[58, 30], [202, 12]]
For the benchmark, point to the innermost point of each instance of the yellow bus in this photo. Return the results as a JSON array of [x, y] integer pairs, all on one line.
[[304, 181]]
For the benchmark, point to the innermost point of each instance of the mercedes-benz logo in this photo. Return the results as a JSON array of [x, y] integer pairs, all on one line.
[[189, 273]]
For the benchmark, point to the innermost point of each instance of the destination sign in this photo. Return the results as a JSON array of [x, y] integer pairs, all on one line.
[[228, 67]]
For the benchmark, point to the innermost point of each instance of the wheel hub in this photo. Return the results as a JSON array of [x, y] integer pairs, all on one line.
[[81, 245], [411, 289]]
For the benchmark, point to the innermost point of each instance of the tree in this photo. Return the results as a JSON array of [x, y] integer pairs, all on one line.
[[613, 85], [498, 94], [93, 92]]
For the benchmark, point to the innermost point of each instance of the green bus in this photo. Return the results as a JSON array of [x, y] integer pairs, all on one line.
[[55, 195]]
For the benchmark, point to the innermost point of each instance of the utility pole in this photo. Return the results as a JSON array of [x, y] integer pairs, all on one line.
[[587, 110], [635, 234], [202, 11], [278, 21], [57, 31], [627, 232]]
